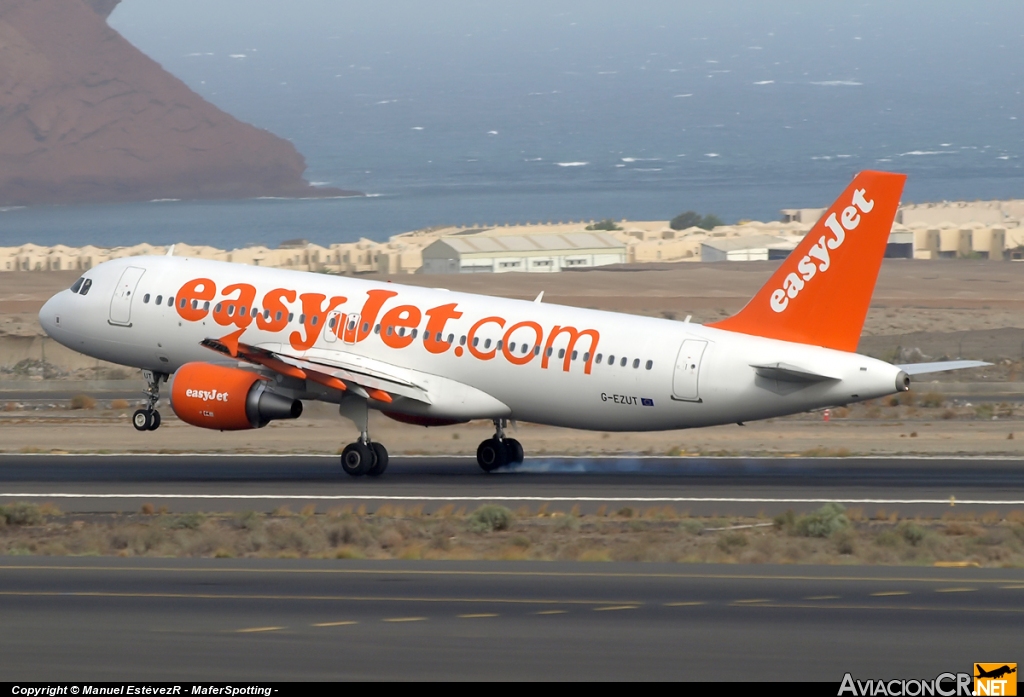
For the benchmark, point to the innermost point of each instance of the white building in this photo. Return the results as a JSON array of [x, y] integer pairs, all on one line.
[[530, 253]]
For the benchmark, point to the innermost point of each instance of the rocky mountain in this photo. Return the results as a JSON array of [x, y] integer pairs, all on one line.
[[87, 117]]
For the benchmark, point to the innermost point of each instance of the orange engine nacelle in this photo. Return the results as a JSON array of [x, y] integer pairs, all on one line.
[[227, 399]]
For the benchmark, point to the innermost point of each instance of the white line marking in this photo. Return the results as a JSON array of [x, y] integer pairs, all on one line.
[[537, 459], [552, 499]]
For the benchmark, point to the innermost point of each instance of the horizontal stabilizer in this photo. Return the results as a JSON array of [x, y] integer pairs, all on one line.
[[789, 373], [938, 367]]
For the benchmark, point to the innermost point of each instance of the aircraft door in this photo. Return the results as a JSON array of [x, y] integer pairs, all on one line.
[[334, 325], [685, 379], [121, 302]]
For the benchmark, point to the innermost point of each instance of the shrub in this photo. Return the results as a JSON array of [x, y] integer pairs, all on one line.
[[82, 401], [606, 224], [823, 522], [490, 518], [932, 400], [911, 533], [119, 404], [21, 514]]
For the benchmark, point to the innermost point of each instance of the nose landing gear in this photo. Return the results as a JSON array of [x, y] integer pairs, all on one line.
[[148, 419], [498, 451]]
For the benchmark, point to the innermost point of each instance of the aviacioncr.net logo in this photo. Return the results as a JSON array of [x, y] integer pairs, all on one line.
[[944, 685]]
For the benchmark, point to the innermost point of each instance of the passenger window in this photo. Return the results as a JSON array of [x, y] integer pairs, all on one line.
[[76, 285], [391, 330], [611, 359], [650, 364], [498, 345], [255, 311], [462, 340], [195, 303], [536, 350], [550, 351], [512, 346], [476, 341], [586, 356], [314, 321], [266, 314], [277, 317], [86, 286], [451, 338], [291, 316], [622, 363], [170, 300], [206, 306], [574, 354], [561, 353], [332, 322], [241, 311], [231, 310], [401, 331], [376, 330], [598, 359], [217, 307], [636, 363], [413, 335], [145, 299], [487, 344], [526, 349], [366, 327], [302, 318], [159, 300]]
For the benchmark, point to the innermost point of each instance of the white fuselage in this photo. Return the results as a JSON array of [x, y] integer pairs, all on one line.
[[676, 374]]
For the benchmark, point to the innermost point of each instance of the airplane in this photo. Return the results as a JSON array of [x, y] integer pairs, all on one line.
[[247, 345], [995, 672]]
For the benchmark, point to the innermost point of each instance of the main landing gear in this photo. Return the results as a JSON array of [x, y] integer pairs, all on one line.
[[148, 419], [498, 451], [364, 456]]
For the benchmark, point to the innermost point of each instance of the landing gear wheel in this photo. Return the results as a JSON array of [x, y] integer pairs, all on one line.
[[142, 420], [381, 460], [357, 459], [515, 450], [154, 420], [491, 455]]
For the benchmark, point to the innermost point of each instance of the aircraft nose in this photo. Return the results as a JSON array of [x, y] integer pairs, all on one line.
[[49, 315]]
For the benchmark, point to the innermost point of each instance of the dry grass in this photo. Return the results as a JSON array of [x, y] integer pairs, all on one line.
[[653, 534]]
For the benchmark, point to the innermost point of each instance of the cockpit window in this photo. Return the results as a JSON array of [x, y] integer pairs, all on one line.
[[86, 286], [77, 285]]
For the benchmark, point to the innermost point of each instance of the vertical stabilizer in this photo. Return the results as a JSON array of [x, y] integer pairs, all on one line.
[[821, 292]]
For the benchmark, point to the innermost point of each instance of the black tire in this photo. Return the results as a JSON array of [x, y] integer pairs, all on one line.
[[491, 455], [357, 459], [154, 420], [515, 450], [142, 419], [381, 462]]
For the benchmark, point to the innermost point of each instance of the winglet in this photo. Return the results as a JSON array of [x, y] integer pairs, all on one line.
[[821, 292]]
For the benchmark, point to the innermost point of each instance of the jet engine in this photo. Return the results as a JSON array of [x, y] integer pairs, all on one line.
[[227, 399]]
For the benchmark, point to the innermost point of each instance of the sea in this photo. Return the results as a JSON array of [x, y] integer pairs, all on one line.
[[468, 113]]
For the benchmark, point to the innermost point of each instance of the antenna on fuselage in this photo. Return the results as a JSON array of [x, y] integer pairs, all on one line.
[[539, 297], [170, 251]]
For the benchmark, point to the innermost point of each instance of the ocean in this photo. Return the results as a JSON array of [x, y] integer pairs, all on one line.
[[485, 113]]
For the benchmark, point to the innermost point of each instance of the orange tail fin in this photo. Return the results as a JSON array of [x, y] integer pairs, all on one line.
[[821, 292]]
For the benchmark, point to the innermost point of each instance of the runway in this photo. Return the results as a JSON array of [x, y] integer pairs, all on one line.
[[251, 620], [703, 486]]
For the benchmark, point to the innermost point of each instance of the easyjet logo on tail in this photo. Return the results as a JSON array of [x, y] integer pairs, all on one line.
[[818, 259]]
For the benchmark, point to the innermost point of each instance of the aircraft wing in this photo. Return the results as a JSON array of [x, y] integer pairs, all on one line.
[[938, 367], [335, 369]]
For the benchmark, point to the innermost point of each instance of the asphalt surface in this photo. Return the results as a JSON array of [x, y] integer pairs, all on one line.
[[250, 620], [703, 486]]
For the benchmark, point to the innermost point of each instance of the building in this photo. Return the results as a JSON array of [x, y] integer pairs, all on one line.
[[530, 253], [748, 248]]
